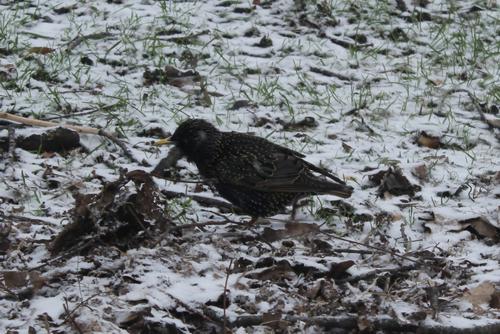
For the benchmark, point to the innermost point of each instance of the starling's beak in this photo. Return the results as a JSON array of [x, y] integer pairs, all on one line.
[[165, 141]]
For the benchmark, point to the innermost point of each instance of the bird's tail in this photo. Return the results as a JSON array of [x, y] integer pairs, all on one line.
[[340, 190], [323, 186]]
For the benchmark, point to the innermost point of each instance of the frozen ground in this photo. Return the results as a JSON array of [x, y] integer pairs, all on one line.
[[357, 86]]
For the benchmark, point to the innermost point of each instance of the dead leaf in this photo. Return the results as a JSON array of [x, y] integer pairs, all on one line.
[[315, 291], [306, 123], [55, 140], [41, 50], [292, 229], [279, 272], [116, 215], [494, 123], [429, 141], [36, 280], [271, 319], [481, 227], [394, 182], [497, 177], [346, 148], [495, 300], [338, 270], [421, 172], [481, 294], [15, 279]]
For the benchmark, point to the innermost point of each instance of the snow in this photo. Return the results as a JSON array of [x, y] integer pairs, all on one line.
[[397, 88]]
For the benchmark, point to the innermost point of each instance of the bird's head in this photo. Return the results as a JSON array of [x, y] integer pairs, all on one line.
[[195, 138]]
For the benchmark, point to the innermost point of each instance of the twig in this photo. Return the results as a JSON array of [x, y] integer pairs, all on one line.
[[180, 180], [77, 128], [491, 124], [47, 124], [348, 44], [224, 297], [391, 252], [12, 143], [69, 253], [177, 39], [70, 317], [190, 309], [204, 201], [328, 73], [120, 144], [84, 112], [355, 251], [185, 226], [374, 273], [82, 303], [350, 322], [79, 39]]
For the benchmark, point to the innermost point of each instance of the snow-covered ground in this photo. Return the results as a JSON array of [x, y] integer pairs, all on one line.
[[379, 92]]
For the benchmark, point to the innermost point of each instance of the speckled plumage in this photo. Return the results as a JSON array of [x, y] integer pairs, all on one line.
[[256, 175]]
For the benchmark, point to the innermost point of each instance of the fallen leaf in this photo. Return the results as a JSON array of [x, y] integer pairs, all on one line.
[[429, 141], [481, 294], [346, 148], [292, 229], [15, 279], [421, 172], [481, 227], [41, 50], [394, 182], [279, 272], [495, 300], [338, 270]]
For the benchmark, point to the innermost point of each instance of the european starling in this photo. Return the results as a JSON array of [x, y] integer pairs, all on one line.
[[256, 175]]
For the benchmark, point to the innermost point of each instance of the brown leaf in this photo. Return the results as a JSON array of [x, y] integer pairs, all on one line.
[[497, 177], [292, 229], [306, 123], [494, 123], [55, 140], [279, 272], [481, 227], [315, 291], [41, 50], [429, 141], [394, 182], [338, 270], [271, 319], [346, 148], [37, 280], [15, 279], [495, 300], [421, 172], [481, 294], [116, 215]]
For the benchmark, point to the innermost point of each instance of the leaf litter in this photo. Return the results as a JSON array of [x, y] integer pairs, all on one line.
[[90, 241]]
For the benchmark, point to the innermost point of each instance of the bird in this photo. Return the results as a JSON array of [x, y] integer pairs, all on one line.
[[259, 177]]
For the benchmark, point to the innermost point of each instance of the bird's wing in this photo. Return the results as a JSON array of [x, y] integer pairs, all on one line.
[[280, 171]]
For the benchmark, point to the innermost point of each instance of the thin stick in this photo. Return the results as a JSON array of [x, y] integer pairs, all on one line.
[[192, 310], [491, 124], [120, 144], [224, 302], [77, 128], [47, 124], [181, 227], [391, 252], [12, 143]]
